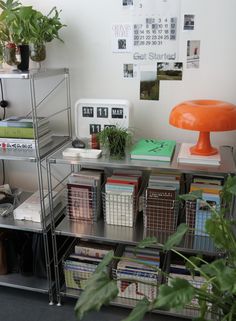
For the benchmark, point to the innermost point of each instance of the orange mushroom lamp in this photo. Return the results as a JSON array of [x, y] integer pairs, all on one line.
[[204, 116]]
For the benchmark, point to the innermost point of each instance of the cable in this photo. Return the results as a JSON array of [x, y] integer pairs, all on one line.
[[3, 173], [3, 102]]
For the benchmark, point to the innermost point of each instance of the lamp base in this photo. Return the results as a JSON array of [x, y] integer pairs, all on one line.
[[203, 146]]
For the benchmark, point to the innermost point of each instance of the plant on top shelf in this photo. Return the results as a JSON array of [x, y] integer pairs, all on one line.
[[115, 139], [23, 26], [216, 298]]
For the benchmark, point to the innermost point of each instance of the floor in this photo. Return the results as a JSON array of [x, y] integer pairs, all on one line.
[[20, 305]]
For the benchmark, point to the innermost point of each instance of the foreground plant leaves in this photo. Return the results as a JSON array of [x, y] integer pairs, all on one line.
[[176, 295], [99, 290], [176, 238], [139, 311]]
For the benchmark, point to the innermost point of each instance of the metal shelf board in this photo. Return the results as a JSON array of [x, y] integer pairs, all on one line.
[[130, 303], [32, 73], [9, 222], [30, 156], [132, 235], [227, 166], [19, 281]]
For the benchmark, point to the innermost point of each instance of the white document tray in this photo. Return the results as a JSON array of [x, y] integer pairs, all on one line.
[[81, 152]]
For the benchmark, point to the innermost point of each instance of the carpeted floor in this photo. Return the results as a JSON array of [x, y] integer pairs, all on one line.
[[20, 305]]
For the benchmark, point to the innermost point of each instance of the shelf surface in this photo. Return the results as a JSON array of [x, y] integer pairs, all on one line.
[[130, 303], [100, 231], [32, 73], [26, 155], [227, 166], [31, 283]]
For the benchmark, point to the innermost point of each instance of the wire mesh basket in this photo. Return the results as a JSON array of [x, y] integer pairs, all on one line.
[[120, 209], [136, 284], [83, 202], [160, 214]]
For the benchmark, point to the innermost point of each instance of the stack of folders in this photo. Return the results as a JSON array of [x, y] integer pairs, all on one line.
[[135, 280], [82, 263], [160, 207], [210, 187], [84, 195], [19, 133], [179, 271], [121, 192]]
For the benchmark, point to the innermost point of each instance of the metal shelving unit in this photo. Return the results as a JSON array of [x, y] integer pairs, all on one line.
[[60, 81], [101, 232]]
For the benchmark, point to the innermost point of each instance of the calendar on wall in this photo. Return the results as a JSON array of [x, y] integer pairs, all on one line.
[[93, 115]]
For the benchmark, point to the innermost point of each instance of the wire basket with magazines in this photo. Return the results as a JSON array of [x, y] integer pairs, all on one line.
[[83, 203], [160, 214], [135, 279], [81, 262]]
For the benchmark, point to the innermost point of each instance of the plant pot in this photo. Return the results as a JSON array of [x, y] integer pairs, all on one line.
[[37, 52], [24, 54], [11, 54]]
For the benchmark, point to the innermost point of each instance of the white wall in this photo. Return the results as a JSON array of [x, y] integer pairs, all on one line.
[[96, 72]]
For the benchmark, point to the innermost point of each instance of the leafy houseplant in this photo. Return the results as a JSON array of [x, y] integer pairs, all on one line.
[[220, 275], [22, 25], [116, 140]]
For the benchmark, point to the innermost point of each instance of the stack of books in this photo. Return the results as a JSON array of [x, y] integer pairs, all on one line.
[[161, 207], [134, 279], [82, 263], [120, 197], [211, 188], [19, 133], [84, 195], [186, 157]]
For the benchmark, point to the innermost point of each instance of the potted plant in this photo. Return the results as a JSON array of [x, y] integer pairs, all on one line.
[[220, 274], [21, 26], [115, 139]]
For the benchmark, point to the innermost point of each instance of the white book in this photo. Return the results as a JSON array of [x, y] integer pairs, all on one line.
[[30, 209], [186, 157]]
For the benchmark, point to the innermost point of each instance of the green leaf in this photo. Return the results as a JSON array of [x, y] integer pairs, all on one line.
[[176, 238], [98, 291], [194, 195], [139, 311], [177, 295], [105, 261], [148, 241], [225, 276]]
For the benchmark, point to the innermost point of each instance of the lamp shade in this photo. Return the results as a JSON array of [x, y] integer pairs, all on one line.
[[204, 116]]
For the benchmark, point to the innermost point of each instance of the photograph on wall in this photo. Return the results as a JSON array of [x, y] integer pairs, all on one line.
[[149, 85], [169, 70], [122, 38], [193, 54], [189, 22], [129, 70], [127, 3]]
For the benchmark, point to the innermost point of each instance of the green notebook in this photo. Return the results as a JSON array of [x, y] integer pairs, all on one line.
[[153, 149]]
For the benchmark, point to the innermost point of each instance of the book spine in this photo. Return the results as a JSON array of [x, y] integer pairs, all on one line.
[[16, 146], [16, 132], [91, 252]]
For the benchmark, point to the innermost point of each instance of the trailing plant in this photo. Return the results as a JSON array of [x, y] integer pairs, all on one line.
[[116, 139], [219, 303]]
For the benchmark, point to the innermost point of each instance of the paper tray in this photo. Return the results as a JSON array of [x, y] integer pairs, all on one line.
[[81, 152]]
